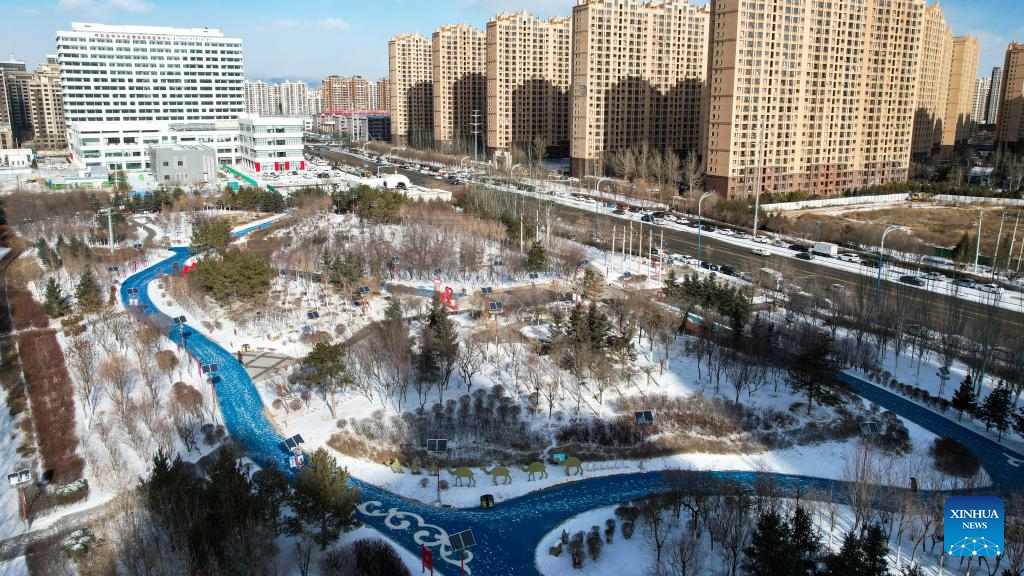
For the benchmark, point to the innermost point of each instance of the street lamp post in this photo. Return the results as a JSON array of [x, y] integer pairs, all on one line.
[[599, 185], [700, 222], [512, 170], [760, 175], [463, 161], [881, 258]]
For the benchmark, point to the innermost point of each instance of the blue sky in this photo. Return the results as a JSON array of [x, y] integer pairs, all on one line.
[[309, 39]]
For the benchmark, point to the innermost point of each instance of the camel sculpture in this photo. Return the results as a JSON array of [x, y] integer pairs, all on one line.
[[396, 466], [573, 462], [535, 468], [460, 473], [498, 472]]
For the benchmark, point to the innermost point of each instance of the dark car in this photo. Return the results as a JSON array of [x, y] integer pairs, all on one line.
[[647, 218], [798, 248], [912, 280], [619, 212], [634, 209], [805, 256], [871, 263], [708, 228], [658, 215], [710, 266], [728, 270], [691, 224], [966, 283]]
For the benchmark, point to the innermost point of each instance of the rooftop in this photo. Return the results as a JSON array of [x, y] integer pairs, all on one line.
[[132, 29]]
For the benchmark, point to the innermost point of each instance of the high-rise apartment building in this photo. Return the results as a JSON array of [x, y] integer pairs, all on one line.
[[992, 114], [345, 93], [46, 108], [1010, 124], [982, 95], [529, 71], [7, 67], [315, 101], [262, 98], [294, 99], [459, 58], [122, 73], [412, 90], [638, 72], [963, 71], [833, 84], [936, 56], [373, 97], [383, 94]]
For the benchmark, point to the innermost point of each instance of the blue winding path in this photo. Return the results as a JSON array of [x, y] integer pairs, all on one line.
[[508, 534]]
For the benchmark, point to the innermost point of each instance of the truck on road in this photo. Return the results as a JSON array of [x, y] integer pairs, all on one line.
[[825, 249]]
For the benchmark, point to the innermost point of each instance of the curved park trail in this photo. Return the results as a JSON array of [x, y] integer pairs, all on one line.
[[508, 534]]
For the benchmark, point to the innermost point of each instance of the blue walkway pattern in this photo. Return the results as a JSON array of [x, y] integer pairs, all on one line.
[[508, 534]]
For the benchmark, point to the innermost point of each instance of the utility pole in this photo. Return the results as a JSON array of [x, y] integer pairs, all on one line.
[[110, 226], [630, 243], [547, 225], [1013, 242], [536, 230], [661, 255], [607, 265], [977, 249], [476, 133], [521, 239], [760, 175], [999, 238]]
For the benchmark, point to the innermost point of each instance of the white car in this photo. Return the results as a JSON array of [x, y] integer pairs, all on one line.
[[763, 240], [991, 288], [761, 251]]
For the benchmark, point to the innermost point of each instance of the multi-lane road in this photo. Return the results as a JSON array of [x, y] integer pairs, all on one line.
[[720, 252]]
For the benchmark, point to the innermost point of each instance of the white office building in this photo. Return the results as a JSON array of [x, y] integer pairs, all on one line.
[[271, 144], [128, 87], [149, 73], [125, 145]]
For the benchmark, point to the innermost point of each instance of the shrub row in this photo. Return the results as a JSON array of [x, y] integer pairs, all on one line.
[[51, 397]]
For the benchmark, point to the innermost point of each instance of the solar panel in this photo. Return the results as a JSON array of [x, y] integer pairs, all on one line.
[[395, 259], [462, 540], [437, 271], [313, 315], [179, 320], [869, 428], [307, 329], [363, 290], [496, 306], [534, 276], [112, 269], [584, 262], [499, 263], [290, 443], [298, 439], [436, 445], [138, 246], [487, 290], [645, 417]]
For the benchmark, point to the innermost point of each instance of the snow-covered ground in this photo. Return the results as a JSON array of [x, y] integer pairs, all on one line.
[[15, 567], [636, 556]]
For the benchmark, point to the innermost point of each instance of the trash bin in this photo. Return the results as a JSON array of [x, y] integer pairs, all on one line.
[[487, 501]]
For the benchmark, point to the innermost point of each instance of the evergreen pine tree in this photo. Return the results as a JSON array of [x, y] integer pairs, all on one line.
[[964, 399], [806, 546], [849, 561], [769, 553], [598, 327], [997, 410], [323, 501], [876, 551], [54, 303], [88, 293], [1018, 422], [535, 258], [394, 310]]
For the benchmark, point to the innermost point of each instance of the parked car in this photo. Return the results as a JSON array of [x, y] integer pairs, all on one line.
[[647, 218], [805, 256], [619, 212], [798, 248], [912, 280], [871, 263], [727, 270], [991, 288], [710, 266], [934, 277], [966, 283], [761, 251]]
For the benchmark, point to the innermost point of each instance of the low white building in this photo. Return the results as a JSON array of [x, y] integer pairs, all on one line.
[[125, 145], [271, 144], [16, 158]]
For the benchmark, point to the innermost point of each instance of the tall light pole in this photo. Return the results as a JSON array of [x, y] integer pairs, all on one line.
[[700, 222], [599, 185], [977, 248], [110, 226], [999, 239], [881, 258], [760, 175]]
